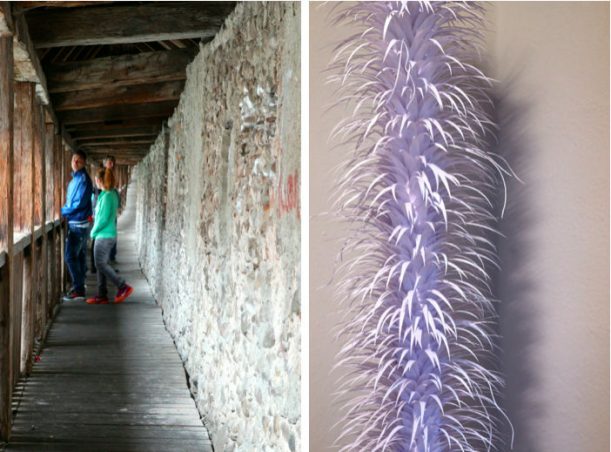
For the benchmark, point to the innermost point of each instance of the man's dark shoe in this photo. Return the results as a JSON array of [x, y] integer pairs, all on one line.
[[74, 295]]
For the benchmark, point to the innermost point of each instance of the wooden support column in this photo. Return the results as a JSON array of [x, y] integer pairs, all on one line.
[[57, 203], [57, 176], [6, 226], [49, 186], [41, 157], [23, 209], [23, 203], [39, 166], [65, 171], [30, 131]]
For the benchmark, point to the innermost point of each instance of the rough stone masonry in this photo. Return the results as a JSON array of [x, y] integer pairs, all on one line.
[[219, 228]]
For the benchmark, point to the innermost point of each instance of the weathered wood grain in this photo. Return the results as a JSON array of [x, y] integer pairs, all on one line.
[[23, 136], [57, 178], [127, 24], [17, 295], [38, 166], [6, 225], [23, 348], [101, 126], [6, 141], [115, 71], [6, 18], [118, 95], [26, 6], [116, 132], [48, 165], [159, 110], [111, 142]]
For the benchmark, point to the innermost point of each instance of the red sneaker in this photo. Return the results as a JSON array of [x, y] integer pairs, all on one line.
[[123, 293], [97, 300]]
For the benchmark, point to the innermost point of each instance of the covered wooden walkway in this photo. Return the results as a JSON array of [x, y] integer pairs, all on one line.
[[99, 77], [108, 376]]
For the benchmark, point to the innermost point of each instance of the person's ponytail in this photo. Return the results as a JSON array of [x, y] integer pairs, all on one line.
[[107, 177]]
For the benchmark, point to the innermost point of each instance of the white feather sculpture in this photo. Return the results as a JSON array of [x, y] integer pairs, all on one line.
[[419, 193]]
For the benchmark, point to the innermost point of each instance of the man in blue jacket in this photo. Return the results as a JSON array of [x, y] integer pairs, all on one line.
[[77, 212]]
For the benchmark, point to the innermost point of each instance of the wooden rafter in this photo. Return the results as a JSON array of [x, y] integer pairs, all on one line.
[[110, 125], [28, 6], [117, 142], [145, 131], [127, 24], [121, 95], [150, 67], [159, 110], [116, 103]]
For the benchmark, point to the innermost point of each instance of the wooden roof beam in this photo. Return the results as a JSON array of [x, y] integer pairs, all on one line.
[[124, 70], [131, 132], [127, 24], [6, 18], [110, 125], [27, 65], [117, 142], [28, 6], [124, 149], [159, 110], [121, 95], [117, 153]]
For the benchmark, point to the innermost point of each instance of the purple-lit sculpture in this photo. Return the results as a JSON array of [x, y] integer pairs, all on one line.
[[419, 191]]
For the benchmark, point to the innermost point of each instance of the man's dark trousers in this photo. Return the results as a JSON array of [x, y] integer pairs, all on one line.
[[76, 256]]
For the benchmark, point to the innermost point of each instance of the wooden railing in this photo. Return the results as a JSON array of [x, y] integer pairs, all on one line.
[[34, 279], [35, 155]]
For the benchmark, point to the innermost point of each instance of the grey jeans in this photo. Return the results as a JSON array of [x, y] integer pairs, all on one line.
[[101, 255]]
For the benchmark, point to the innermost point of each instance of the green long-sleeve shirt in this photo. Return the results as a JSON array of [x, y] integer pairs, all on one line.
[[105, 224]]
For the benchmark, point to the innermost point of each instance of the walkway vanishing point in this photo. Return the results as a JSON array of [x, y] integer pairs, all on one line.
[[109, 377]]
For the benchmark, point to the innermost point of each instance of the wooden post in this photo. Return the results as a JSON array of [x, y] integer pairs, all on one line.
[[65, 172], [40, 208], [57, 197], [30, 303], [49, 190], [6, 225], [23, 205], [37, 164], [17, 280], [25, 103], [62, 239], [48, 194], [57, 178], [41, 177]]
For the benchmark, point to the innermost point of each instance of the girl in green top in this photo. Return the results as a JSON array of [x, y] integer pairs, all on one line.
[[105, 234]]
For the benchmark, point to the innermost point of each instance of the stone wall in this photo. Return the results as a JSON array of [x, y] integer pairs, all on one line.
[[219, 228]]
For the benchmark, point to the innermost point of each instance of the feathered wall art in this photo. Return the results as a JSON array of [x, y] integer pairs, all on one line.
[[419, 191]]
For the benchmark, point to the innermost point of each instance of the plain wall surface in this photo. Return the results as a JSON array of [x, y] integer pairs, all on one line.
[[324, 234], [552, 63]]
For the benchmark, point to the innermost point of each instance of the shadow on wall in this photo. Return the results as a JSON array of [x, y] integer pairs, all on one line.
[[514, 285]]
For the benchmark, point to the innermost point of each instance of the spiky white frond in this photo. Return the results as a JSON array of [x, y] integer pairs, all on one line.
[[419, 195]]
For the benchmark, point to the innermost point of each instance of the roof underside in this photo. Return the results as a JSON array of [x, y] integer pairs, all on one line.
[[115, 70]]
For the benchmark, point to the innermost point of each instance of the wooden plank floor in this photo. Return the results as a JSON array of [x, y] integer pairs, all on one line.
[[109, 376]]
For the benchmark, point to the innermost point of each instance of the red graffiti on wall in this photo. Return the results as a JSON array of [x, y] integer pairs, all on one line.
[[286, 195]]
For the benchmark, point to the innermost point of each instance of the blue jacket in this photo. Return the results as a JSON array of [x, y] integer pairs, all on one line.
[[78, 199]]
